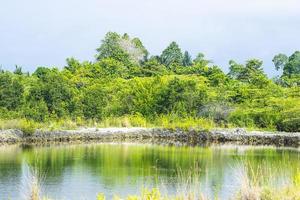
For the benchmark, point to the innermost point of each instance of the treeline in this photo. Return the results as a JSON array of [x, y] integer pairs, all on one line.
[[125, 80]]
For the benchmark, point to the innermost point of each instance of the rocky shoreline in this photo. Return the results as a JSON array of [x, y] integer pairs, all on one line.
[[154, 135]]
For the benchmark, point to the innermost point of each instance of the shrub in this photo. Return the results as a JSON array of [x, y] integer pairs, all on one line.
[[290, 121], [27, 126], [289, 125]]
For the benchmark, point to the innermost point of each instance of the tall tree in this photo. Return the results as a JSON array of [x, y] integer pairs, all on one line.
[[11, 91], [122, 48], [18, 70], [292, 67], [110, 48], [187, 59], [252, 72], [254, 65], [235, 69], [200, 59], [172, 55], [280, 61], [52, 88], [134, 48]]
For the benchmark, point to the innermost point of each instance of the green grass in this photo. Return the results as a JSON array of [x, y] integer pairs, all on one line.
[[164, 121]]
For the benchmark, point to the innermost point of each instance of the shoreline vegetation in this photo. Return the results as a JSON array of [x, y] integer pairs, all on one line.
[[248, 192], [126, 87]]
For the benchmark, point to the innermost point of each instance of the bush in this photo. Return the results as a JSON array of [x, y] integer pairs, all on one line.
[[289, 125], [217, 111], [290, 121], [252, 118], [27, 126]]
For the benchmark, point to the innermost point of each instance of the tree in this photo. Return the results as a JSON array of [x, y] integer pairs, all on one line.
[[18, 70], [36, 110], [280, 61], [153, 67], [235, 69], [94, 101], [251, 73], [181, 96], [215, 75], [254, 65], [187, 60], [292, 67], [143, 52], [11, 91], [123, 49], [252, 69], [110, 48], [72, 65], [51, 87], [200, 60], [172, 55], [112, 68]]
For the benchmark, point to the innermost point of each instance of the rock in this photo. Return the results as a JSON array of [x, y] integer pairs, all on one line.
[[155, 135], [11, 136]]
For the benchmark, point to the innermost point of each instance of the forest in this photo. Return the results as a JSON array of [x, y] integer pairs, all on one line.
[[126, 82]]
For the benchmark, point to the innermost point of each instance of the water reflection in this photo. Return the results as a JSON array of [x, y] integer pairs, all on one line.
[[82, 171]]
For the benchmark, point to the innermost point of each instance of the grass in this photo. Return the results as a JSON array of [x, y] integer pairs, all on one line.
[[171, 121], [27, 126], [164, 121], [288, 193]]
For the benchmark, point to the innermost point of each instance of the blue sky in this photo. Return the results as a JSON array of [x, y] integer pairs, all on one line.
[[44, 33]]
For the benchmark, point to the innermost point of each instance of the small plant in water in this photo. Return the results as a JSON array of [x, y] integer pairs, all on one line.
[[32, 185]]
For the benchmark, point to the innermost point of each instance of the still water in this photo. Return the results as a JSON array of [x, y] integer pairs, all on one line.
[[82, 171]]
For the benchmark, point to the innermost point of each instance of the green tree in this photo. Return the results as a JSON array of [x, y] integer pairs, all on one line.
[[280, 61], [122, 48], [254, 65], [72, 65], [153, 67], [94, 101], [52, 88], [142, 51], [182, 97], [11, 91], [18, 70], [200, 60], [110, 48], [251, 73], [235, 69], [112, 68], [36, 110], [292, 67], [187, 59], [172, 55]]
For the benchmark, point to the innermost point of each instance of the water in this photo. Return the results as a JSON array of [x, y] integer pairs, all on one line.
[[82, 171]]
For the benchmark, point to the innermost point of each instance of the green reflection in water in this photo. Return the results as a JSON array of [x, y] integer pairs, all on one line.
[[113, 164]]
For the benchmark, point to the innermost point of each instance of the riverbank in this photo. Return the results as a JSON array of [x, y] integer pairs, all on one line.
[[154, 135]]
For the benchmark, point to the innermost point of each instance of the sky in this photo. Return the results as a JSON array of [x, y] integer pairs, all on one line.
[[45, 32]]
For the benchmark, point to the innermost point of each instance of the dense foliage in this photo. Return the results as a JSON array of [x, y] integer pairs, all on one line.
[[125, 81]]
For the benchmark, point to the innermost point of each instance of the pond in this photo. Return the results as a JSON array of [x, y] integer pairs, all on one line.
[[81, 171]]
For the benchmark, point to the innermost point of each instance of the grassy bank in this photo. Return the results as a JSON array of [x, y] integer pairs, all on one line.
[[170, 122], [164, 121]]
